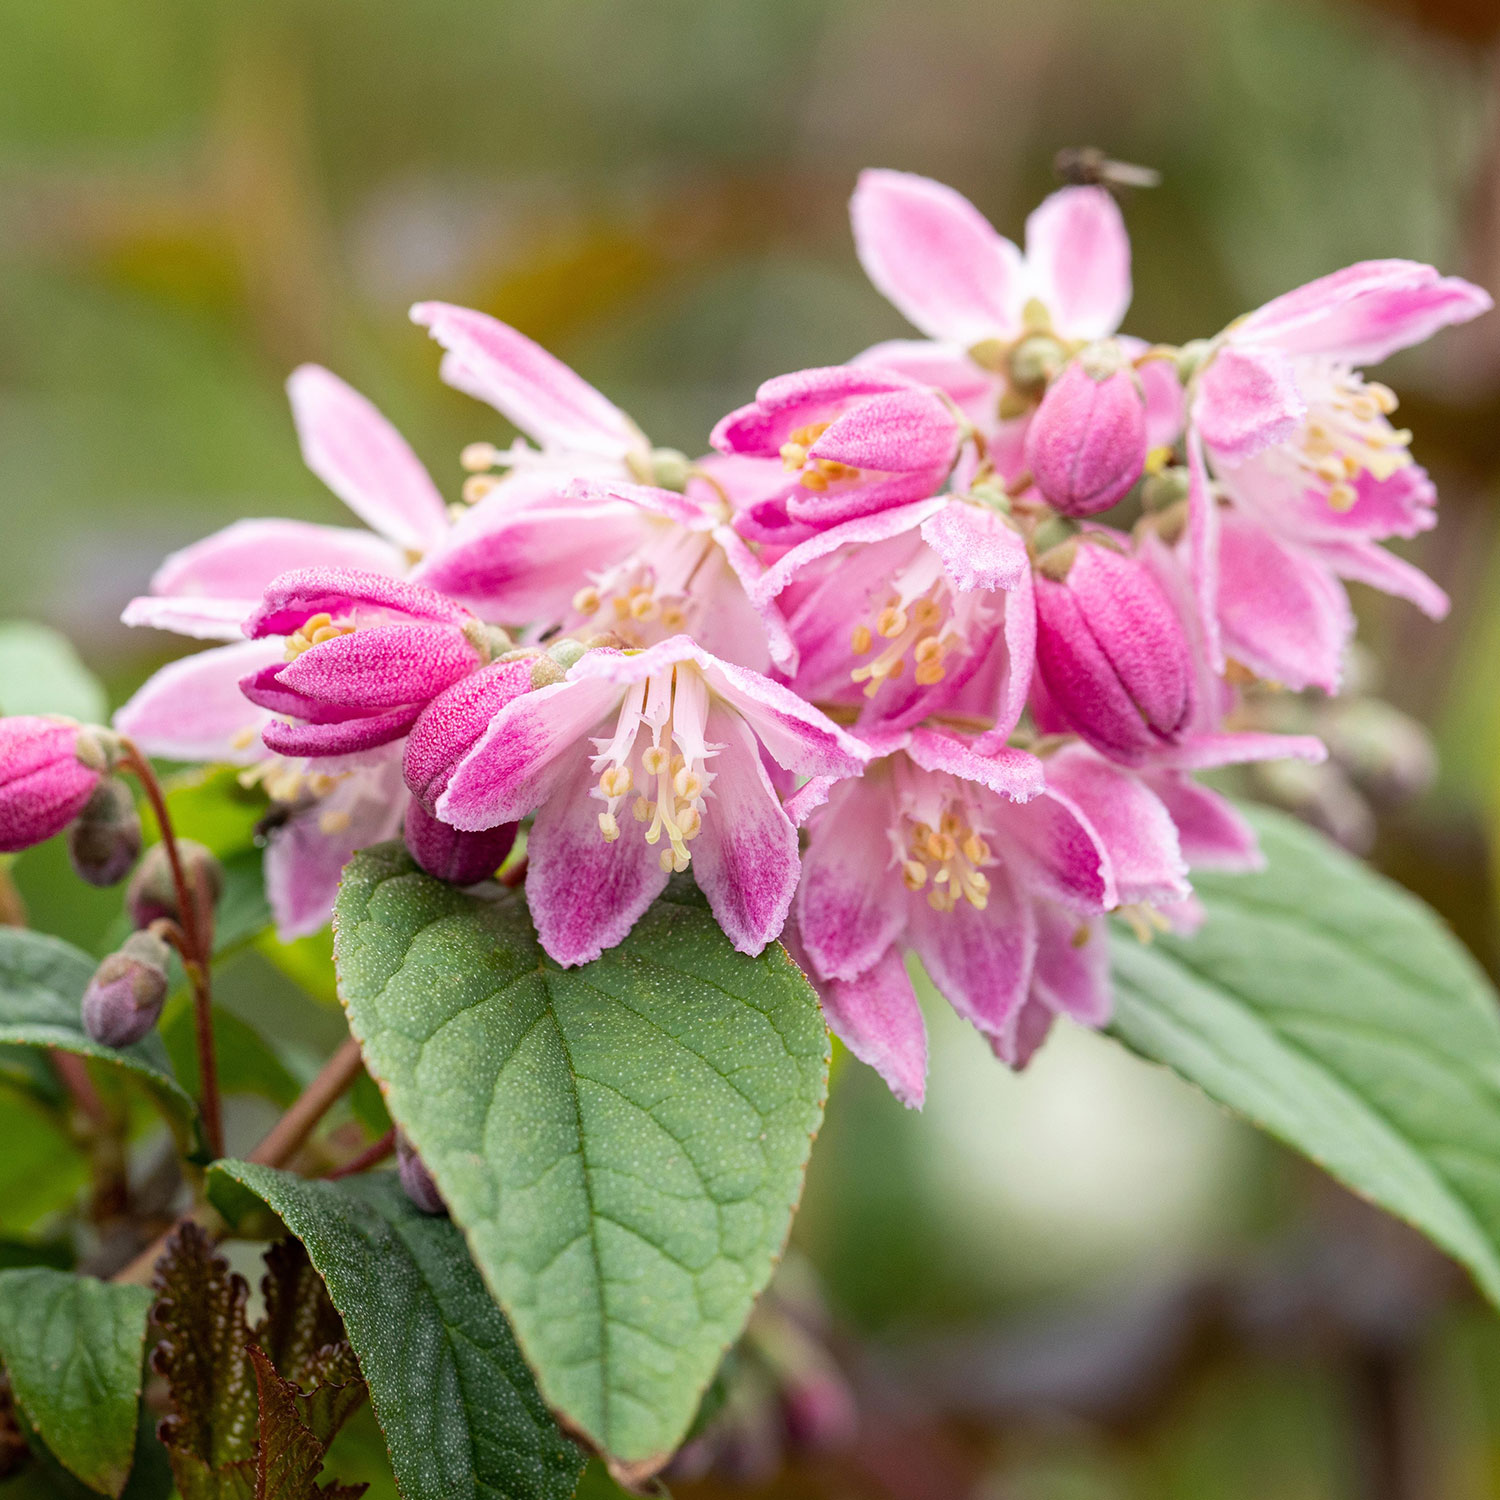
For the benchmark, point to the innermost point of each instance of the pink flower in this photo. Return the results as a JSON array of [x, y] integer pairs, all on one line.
[[48, 771], [207, 589], [363, 655], [995, 871], [852, 440], [632, 560], [193, 710], [1301, 444], [638, 764], [922, 609], [1086, 445]]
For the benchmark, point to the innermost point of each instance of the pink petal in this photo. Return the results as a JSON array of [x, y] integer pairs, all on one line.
[[385, 666], [1367, 562], [748, 571], [1247, 400], [945, 367], [1203, 752], [745, 859], [1023, 1037], [1165, 408], [1212, 833], [877, 1017], [1365, 312], [878, 527], [539, 393], [343, 737], [848, 911], [1063, 856], [1071, 977], [980, 961], [697, 511], [1137, 833], [1282, 611], [294, 598], [936, 257], [306, 855], [526, 565], [1078, 259], [979, 549], [365, 461], [517, 762], [193, 709], [1203, 551], [239, 561], [202, 619], [892, 432], [585, 895], [787, 402], [1013, 774]]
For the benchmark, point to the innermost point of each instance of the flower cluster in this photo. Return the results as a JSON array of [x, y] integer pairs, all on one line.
[[919, 659]]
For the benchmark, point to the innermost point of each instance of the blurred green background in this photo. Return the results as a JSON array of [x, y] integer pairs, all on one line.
[[1082, 1283]]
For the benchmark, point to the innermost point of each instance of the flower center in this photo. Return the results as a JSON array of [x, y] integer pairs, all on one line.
[[1347, 433], [946, 857], [813, 474], [287, 782], [915, 619], [651, 594], [314, 632], [658, 752]]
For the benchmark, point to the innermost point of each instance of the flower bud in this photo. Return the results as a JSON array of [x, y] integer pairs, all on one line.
[[152, 893], [416, 1179], [1112, 654], [1086, 445], [446, 853], [48, 772], [105, 841], [127, 992]]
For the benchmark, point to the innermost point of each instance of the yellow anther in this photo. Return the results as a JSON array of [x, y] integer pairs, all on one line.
[[621, 606], [642, 809], [689, 822], [940, 900], [327, 633], [654, 760], [1341, 497], [793, 456], [1081, 935], [814, 481], [926, 613], [1383, 397], [929, 648], [477, 457], [616, 781], [976, 851], [609, 829], [245, 738], [942, 846], [861, 640], [586, 601], [334, 821], [891, 621], [914, 874], [673, 618], [929, 672], [687, 785], [644, 607], [809, 434], [1157, 459], [477, 486]]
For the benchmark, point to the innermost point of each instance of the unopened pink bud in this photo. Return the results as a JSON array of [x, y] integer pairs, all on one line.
[[1113, 656], [416, 1179], [152, 893], [126, 994], [48, 771], [451, 724], [1086, 445], [446, 853]]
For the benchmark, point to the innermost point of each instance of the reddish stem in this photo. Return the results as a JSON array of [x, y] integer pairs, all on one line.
[[294, 1127], [371, 1156], [195, 961]]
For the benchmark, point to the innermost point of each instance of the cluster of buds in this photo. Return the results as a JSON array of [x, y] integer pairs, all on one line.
[[920, 658]]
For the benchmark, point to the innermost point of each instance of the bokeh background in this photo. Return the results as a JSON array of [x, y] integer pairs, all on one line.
[[1082, 1284]]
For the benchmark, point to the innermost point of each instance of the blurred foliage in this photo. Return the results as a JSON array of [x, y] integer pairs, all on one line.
[[197, 195]]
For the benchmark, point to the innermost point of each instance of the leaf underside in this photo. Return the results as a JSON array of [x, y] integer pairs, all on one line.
[[623, 1143], [1337, 1012]]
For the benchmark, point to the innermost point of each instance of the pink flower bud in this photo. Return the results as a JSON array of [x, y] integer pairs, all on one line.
[[1113, 656], [416, 1179], [105, 841], [1086, 445], [127, 992], [452, 723], [48, 771], [446, 853]]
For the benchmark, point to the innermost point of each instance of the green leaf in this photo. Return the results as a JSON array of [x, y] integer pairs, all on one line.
[[1337, 1012], [622, 1143], [72, 1348], [41, 1168], [42, 980], [456, 1402], [40, 673]]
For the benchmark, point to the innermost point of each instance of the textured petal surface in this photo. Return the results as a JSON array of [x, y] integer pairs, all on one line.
[[878, 1018], [452, 724], [382, 667], [193, 709], [364, 460], [1247, 400], [349, 596], [537, 391], [1071, 977], [1078, 261], [1211, 831], [936, 257], [979, 549]]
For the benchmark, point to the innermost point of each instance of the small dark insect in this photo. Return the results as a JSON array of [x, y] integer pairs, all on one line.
[[1088, 166]]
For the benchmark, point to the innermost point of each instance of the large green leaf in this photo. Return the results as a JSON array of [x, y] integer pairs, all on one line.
[[456, 1402], [72, 1347], [40, 673], [623, 1143], [42, 980], [1338, 1013]]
